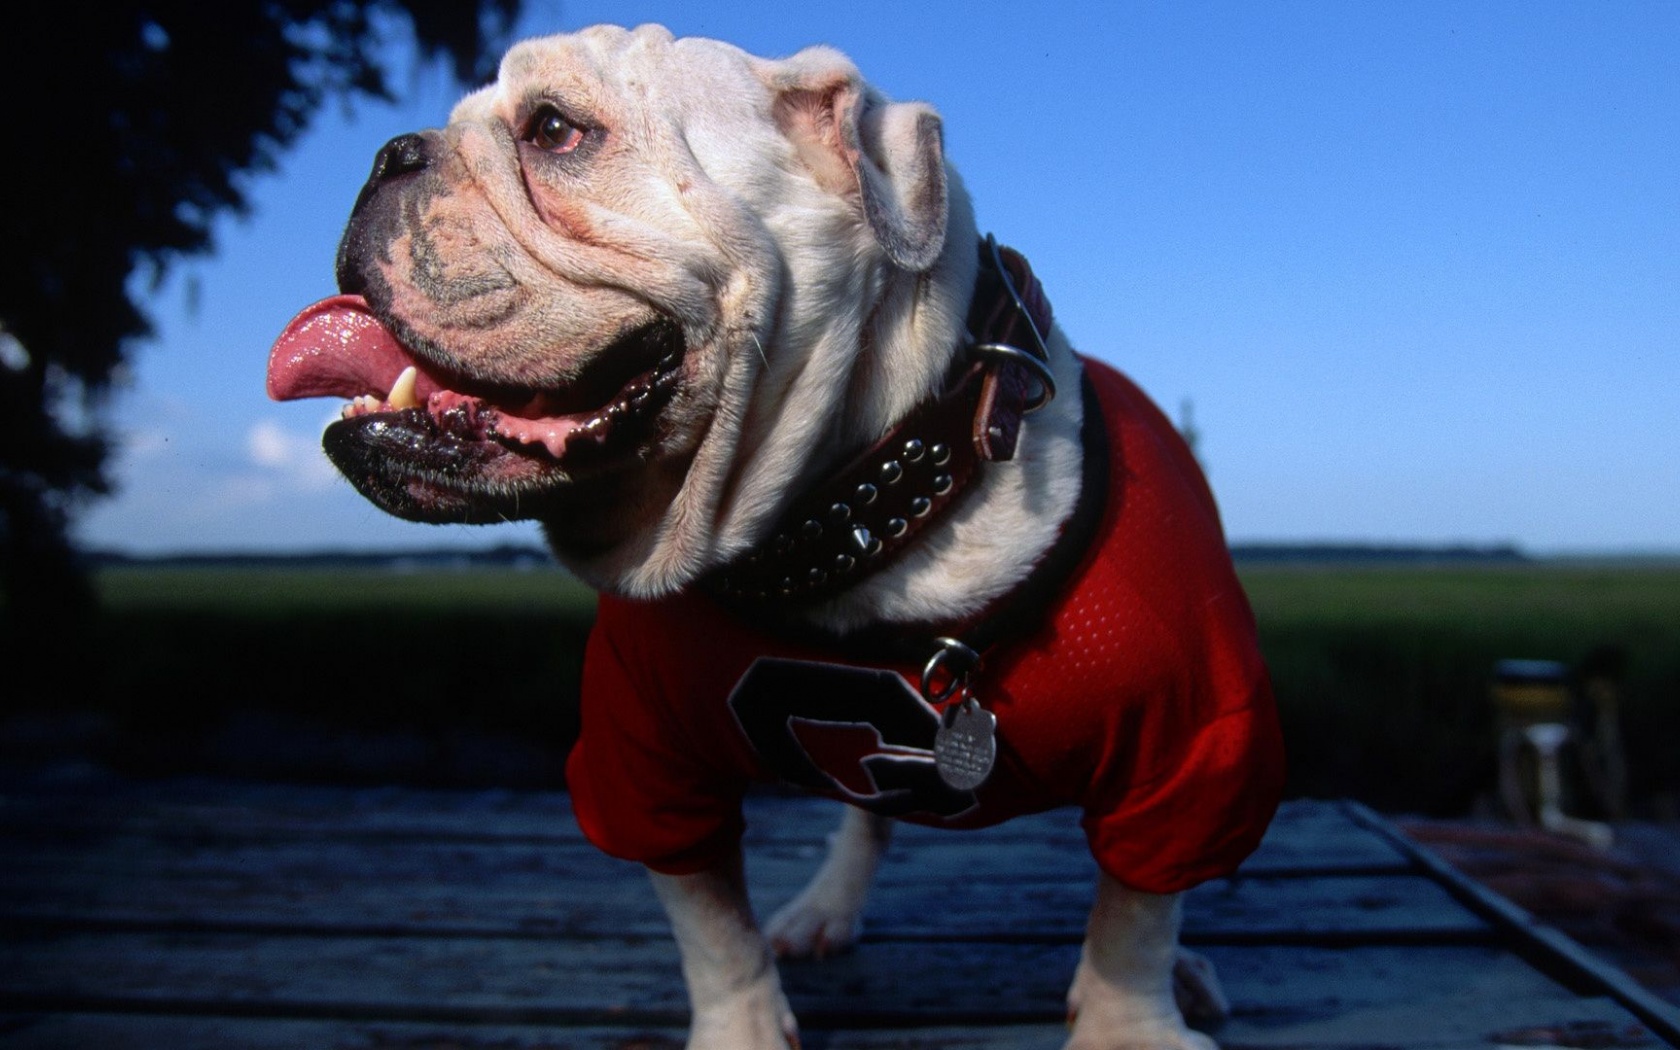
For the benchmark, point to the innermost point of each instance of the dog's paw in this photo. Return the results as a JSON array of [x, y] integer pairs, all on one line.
[[753, 1020], [818, 923], [1103, 1015], [1197, 991], [1100, 1029], [1182, 1039]]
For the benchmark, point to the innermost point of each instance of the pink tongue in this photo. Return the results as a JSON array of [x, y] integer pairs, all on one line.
[[334, 348]]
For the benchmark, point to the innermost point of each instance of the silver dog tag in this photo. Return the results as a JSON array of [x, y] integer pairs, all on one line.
[[965, 745]]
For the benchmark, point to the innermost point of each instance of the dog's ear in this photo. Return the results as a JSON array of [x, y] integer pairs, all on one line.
[[887, 155]]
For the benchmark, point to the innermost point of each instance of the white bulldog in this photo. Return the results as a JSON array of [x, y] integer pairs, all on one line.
[[666, 298]]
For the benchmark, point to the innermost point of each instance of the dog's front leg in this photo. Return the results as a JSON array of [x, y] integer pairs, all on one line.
[[825, 918], [733, 989], [1123, 994]]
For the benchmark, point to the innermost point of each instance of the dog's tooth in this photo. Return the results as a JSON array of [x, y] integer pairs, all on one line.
[[402, 393]]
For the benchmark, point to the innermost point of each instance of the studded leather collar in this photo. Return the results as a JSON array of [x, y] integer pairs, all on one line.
[[855, 522]]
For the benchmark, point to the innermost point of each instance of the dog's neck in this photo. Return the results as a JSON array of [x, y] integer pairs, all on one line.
[[865, 520]]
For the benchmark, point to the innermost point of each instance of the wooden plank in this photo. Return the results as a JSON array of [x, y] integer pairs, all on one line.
[[1305, 837], [217, 808], [1275, 991], [240, 810], [1339, 909], [1302, 999], [1311, 838], [145, 856], [143, 1032], [1544, 946], [479, 888], [401, 920], [36, 865], [136, 877], [200, 875]]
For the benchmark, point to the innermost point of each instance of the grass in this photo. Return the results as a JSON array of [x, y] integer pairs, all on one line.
[[428, 676], [1381, 673], [1542, 598], [262, 592]]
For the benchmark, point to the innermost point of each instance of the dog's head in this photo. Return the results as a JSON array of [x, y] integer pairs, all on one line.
[[644, 285]]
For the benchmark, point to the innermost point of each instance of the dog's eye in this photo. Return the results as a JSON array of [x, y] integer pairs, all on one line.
[[550, 131]]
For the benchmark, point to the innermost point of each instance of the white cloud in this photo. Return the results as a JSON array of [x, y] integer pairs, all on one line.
[[12, 353], [295, 457], [270, 445]]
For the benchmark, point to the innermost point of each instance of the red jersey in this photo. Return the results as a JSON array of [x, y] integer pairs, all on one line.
[[1140, 697]]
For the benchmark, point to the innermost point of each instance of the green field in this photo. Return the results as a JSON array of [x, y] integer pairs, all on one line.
[[1381, 673], [264, 592]]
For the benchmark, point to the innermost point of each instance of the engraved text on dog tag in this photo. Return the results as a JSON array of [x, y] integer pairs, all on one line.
[[965, 746]]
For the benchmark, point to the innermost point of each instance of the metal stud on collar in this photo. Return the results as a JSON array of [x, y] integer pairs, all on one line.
[[852, 523]]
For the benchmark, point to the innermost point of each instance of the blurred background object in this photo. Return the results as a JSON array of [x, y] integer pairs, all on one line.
[[1560, 756]]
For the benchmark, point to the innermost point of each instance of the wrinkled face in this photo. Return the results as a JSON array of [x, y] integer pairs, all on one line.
[[536, 283], [557, 306]]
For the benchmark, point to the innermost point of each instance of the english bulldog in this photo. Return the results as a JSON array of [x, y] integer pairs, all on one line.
[[860, 518]]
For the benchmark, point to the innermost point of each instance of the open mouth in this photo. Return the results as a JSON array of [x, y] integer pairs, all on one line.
[[431, 445]]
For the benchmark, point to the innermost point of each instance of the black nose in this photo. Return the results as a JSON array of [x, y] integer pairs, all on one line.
[[401, 155]]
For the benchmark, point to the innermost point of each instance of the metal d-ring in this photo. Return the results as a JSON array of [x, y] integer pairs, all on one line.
[[1015, 296], [959, 662], [1040, 370], [1038, 363]]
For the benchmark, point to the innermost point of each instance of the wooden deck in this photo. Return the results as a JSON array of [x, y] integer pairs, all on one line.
[[231, 916]]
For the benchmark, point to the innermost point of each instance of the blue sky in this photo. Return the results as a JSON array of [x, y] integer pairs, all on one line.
[[1414, 266]]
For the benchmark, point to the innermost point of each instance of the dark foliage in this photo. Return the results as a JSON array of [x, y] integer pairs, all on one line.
[[132, 125]]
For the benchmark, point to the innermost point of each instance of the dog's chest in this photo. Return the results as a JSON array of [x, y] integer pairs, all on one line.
[[1140, 697]]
